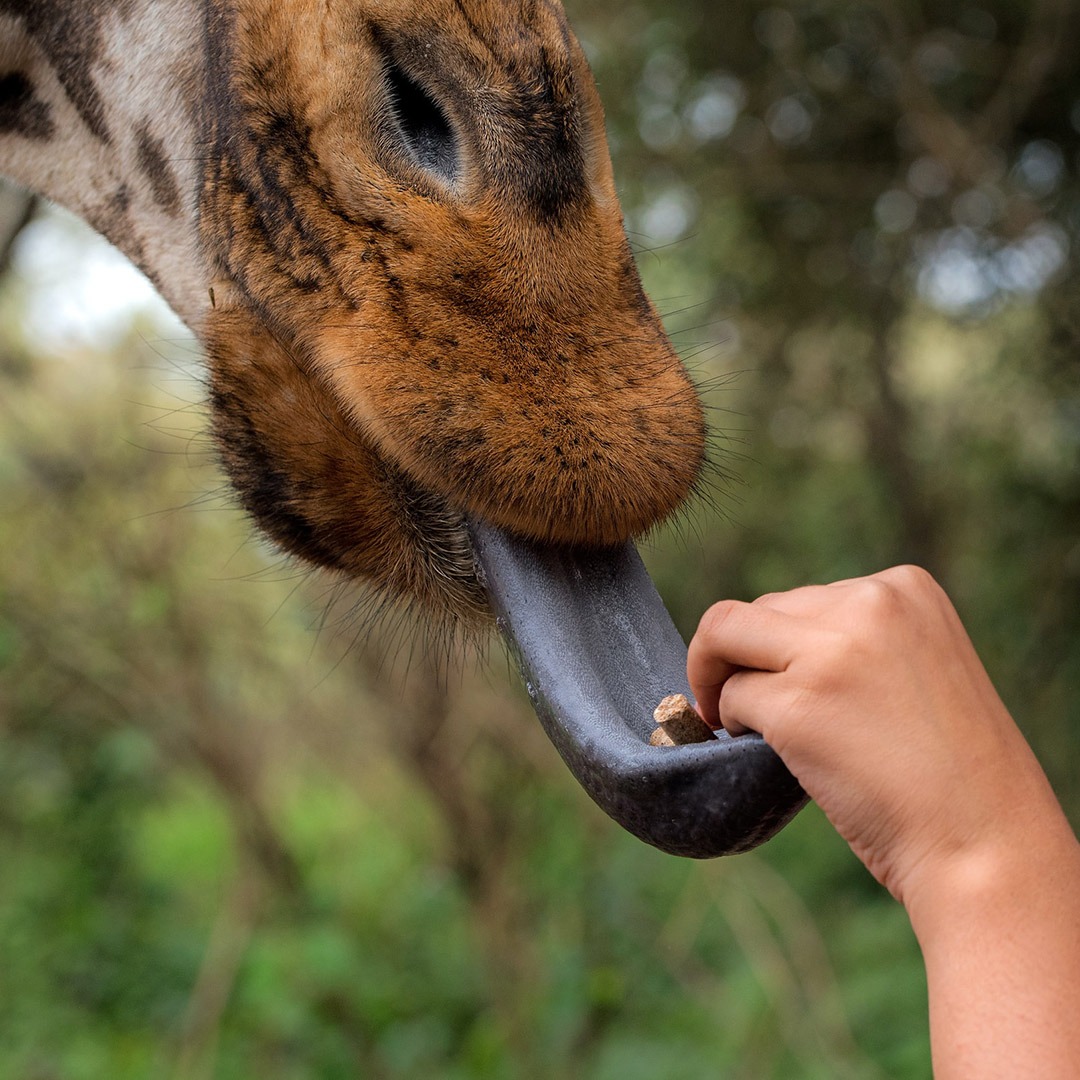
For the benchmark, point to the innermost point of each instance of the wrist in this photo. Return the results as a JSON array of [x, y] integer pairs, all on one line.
[[998, 881], [999, 929]]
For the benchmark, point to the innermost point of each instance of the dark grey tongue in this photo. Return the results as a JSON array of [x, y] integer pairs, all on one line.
[[598, 652]]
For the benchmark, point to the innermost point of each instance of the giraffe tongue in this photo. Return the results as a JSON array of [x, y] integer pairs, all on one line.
[[598, 651]]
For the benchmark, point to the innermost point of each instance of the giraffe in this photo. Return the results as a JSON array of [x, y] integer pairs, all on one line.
[[394, 227]]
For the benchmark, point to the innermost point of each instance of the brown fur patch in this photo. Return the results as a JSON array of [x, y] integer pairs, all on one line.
[[21, 111], [70, 34], [310, 479], [154, 162], [481, 332]]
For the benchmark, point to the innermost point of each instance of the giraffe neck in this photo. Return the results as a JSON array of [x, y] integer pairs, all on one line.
[[100, 112]]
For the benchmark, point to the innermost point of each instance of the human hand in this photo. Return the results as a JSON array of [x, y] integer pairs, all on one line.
[[872, 693]]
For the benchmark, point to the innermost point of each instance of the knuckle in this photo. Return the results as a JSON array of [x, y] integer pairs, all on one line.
[[901, 592], [875, 601], [719, 618], [891, 594], [911, 580]]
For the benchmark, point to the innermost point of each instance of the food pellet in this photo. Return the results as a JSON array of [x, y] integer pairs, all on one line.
[[679, 723]]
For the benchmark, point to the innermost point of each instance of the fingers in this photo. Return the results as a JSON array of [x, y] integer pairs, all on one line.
[[732, 636], [766, 635], [746, 699], [770, 633]]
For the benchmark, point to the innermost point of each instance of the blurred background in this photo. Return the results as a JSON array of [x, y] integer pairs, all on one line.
[[243, 832]]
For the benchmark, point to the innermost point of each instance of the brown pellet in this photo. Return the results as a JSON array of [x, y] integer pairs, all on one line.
[[679, 723]]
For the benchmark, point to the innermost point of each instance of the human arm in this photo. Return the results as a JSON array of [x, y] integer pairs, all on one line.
[[871, 692]]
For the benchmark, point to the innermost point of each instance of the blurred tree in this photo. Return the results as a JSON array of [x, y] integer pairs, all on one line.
[[860, 220]]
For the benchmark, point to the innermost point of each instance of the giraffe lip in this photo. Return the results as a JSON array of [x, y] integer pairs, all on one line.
[[598, 651]]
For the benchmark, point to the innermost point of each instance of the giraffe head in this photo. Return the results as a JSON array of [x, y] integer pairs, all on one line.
[[428, 307], [431, 360]]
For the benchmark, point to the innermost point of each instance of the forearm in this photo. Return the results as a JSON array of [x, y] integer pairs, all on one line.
[[1000, 934]]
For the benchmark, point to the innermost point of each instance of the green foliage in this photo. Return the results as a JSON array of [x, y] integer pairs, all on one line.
[[239, 842]]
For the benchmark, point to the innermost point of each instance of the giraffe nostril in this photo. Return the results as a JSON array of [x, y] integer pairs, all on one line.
[[428, 134]]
